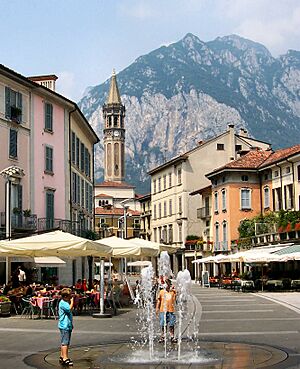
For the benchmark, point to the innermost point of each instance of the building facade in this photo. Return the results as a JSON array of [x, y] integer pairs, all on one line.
[[174, 211]]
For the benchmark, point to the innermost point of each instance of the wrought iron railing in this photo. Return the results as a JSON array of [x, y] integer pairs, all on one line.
[[204, 212], [19, 221]]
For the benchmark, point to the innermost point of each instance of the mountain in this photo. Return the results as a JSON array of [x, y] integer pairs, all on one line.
[[191, 90]]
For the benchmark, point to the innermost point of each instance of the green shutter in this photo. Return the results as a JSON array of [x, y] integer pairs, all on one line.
[[13, 143], [7, 102], [20, 197]]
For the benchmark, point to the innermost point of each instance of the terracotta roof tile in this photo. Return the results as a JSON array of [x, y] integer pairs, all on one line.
[[281, 154], [114, 184], [115, 211], [103, 195]]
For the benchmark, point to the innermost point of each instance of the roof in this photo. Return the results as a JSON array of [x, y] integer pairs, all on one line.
[[115, 211], [145, 197], [114, 184], [282, 154], [201, 190], [113, 95], [176, 160], [252, 160], [103, 195], [30, 83], [43, 77]]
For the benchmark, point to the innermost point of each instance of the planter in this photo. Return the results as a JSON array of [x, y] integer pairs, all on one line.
[[5, 308]]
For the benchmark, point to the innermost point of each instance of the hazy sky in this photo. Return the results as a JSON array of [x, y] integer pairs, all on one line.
[[81, 41]]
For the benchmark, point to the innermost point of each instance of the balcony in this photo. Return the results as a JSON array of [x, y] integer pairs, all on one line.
[[47, 224], [204, 213], [19, 222]]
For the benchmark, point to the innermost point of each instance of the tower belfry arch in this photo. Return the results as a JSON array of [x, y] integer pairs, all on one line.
[[114, 134]]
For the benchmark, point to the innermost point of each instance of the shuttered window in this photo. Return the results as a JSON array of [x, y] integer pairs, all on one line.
[[73, 148], [48, 117], [13, 143], [50, 208], [49, 159], [13, 105]]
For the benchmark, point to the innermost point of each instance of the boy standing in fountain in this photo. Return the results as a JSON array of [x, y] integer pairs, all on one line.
[[65, 325], [165, 309]]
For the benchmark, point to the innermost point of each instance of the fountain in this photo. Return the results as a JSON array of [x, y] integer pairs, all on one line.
[[148, 353]]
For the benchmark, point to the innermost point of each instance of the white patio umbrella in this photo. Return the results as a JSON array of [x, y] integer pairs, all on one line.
[[127, 248], [57, 243], [155, 245], [139, 263], [260, 257]]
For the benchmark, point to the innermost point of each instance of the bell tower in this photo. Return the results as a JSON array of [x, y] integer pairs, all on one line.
[[114, 134]]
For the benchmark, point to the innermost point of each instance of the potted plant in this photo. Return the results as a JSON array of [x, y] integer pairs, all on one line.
[[5, 305], [27, 213], [16, 211]]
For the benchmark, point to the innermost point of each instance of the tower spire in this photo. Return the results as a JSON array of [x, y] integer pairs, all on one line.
[[113, 95]]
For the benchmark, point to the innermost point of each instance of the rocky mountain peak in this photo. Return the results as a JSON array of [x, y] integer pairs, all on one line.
[[190, 90]]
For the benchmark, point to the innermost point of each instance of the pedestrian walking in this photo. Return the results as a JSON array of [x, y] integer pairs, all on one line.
[[65, 325], [165, 309]]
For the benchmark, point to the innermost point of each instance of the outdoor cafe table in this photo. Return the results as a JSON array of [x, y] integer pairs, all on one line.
[[39, 302], [274, 283], [242, 284]]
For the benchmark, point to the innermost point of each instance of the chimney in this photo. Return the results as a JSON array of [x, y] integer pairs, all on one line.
[[243, 132], [231, 150], [46, 81]]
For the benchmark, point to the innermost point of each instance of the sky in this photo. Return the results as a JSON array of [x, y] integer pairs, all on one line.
[[81, 41]]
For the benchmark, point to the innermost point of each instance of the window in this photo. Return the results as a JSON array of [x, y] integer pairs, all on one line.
[[245, 178], [165, 182], [154, 186], [216, 202], [73, 145], [87, 193], [277, 199], [77, 151], [170, 180], [159, 184], [179, 204], [86, 161], [298, 173], [276, 173], [180, 232], [223, 200], [81, 156], [288, 197], [170, 233], [179, 179], [82, 192], [165, 208], [245, 199], [50, 208], [13, 105], [217, 236], [154, 211], [170, 207], [238, 147], [155, 234], [13, 143], [159, 210], [224, 231], [288, 170], [48, 159], [266, 197], [220, 147], [48, 108]]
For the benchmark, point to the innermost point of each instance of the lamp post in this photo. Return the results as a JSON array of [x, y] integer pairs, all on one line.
[[11, 174]]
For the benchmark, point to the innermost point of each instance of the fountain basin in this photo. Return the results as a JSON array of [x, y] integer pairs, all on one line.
[[206, 355]]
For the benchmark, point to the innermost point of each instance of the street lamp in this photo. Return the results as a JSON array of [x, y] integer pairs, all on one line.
[[11, 174], [125, 208]]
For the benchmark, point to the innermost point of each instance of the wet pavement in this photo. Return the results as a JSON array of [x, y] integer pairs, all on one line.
[[234, 329]]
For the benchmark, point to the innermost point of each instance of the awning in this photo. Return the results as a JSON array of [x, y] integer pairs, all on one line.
[[139, 263], [49, 262]]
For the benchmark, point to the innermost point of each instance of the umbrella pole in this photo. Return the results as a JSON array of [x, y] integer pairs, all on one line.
[[102, 314]]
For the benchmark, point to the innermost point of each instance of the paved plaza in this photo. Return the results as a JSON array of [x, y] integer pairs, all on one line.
[[259, 327]]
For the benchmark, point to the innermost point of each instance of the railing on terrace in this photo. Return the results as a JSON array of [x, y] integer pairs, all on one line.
[[203, 213], [20, 222], [46, 224], [221, 246]]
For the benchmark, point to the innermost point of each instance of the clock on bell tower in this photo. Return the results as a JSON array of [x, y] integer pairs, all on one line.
[[114, 134]]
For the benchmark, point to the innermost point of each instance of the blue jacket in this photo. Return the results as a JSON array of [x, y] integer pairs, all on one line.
[[65, 317]]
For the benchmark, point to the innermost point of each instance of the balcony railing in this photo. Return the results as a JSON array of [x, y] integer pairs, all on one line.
[[221, 246], [203, 213], [46, 224], [20, 222]]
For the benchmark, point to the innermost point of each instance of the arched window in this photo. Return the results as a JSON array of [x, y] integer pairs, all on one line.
[[266, 197]]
